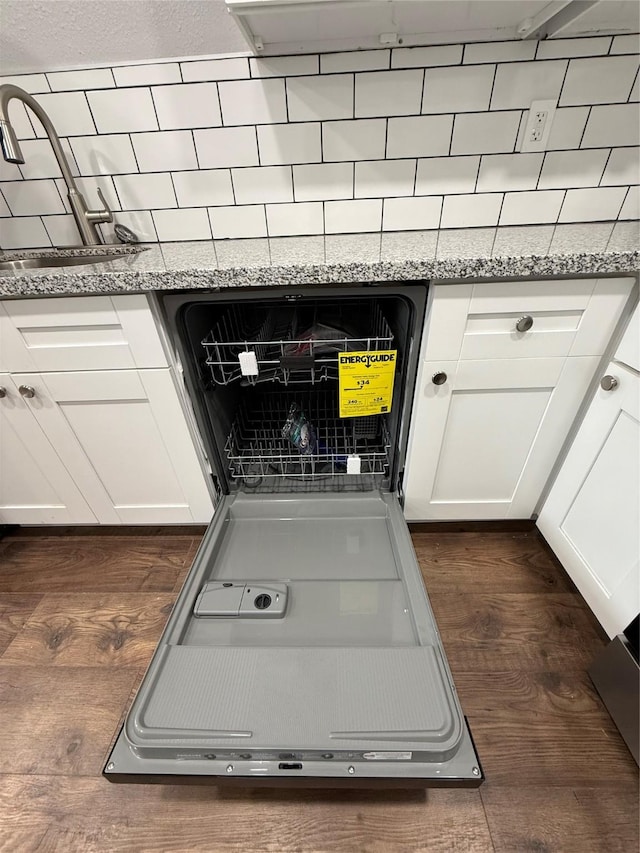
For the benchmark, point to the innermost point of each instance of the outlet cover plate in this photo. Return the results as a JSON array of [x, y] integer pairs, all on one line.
[[528, 142]]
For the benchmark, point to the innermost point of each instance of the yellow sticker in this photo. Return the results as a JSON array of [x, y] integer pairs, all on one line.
[[366, 382]]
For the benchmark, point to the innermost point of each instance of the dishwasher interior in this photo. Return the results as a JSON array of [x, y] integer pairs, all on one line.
[[302, 644]]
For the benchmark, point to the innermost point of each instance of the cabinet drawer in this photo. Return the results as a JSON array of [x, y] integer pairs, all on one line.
[[532, 319], [628, 351], [78, 333]]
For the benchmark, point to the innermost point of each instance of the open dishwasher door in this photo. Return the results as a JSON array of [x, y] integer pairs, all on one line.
[[302, 648]]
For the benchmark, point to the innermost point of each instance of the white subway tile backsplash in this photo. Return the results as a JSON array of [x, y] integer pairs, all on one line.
[[556, 48], [140, 222], [230, 222], [419, 136], [603, 80], [40, 161], [183, 224], [122, 110], [505, 51], [89, 189], [614, 124], [32, 198], [62, 230], [469, 211], [23, 232], [317, 98], [518, 85], [349, 217], [446, 175], [10, 171], [284, 66], [252, 101], [411, 214], [104, 155], [69, 113], [631, 207], [21, 122], [635, 90], [573, 168], [362, 139], [31, 83], [540, 206], [165, 151], [419, 57], [204, 70], [141, 192], [147, 75], [263, 184], [281, 144], [457, 89], [626, 44], [226, 146], [502, 172], [566, 129], [187, 105], [623, 167], [295, 219], [4, 207], [323, 181], [376, 179], [356, 60], [203, 188], [388, 93], [592, 205], [92, 78], [485, 133]]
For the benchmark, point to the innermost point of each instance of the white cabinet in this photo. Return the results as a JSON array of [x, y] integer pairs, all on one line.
[[591, 517], [83, 445], [35, 487], [483, 442]]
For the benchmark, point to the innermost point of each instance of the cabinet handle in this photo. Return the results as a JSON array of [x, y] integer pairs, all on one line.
[[27, 391], [3, 391], [439, 378], [524, 323], [608, 383]]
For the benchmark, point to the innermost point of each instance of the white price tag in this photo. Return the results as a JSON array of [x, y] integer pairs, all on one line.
[[248, 363], [353, 464]]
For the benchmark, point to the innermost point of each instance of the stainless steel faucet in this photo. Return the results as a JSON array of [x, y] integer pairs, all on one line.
[[86, 219]]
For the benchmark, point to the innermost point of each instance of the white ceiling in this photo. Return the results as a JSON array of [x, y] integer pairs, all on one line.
[[46, 35]]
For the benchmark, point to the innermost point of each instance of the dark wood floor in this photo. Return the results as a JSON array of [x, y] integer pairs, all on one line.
[[80, 614]]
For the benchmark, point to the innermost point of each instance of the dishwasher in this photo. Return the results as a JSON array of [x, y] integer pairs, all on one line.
[[302, 647]]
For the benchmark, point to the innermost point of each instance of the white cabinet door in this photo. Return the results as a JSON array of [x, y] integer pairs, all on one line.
[[482, 445], [591, 517], [35, 487], [122, 436]]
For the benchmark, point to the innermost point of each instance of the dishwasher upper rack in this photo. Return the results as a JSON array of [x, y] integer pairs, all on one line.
[[255, 448], [283, 354]]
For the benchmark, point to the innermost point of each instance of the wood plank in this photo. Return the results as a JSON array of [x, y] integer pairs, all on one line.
[[14, 611], [499, 632], [59, 720], [562, 820], [91, 814], [92, 564], [488, 562], [92, 629]]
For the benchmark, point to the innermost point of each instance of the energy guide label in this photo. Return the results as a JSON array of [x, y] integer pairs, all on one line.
[[366, 382]]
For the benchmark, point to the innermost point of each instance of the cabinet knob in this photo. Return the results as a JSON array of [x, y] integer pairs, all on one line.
[[524, 323], [608, 383], [27, 391], [3, 391], [439, 378]]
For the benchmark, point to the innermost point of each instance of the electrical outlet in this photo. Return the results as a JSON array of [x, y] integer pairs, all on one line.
[[538, 126]]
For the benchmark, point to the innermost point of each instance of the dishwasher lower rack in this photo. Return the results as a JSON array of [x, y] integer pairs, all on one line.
[[287, 351], [255, 449]]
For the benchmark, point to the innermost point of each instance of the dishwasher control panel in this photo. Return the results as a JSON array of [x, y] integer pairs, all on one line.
[[242, 600]]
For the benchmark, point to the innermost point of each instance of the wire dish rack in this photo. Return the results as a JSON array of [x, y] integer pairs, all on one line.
[[286, 352], [255, 448]]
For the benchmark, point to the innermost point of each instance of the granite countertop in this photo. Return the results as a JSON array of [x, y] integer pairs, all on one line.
[[510, 252]]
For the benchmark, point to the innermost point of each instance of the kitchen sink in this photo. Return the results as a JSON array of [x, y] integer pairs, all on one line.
[[32, 260]]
